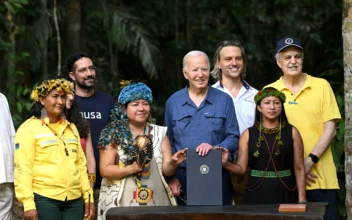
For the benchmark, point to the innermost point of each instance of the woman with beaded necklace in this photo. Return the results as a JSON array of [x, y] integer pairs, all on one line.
[[135, 155], [273, 151]]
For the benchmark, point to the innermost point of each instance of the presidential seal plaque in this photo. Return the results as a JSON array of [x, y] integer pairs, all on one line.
[[204, 178]]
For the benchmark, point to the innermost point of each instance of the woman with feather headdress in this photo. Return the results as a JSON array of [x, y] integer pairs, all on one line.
[[135, 155]]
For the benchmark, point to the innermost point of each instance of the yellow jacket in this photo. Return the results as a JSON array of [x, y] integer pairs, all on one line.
[[42, 166]]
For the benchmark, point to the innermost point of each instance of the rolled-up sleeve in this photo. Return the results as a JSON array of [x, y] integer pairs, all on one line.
[[232, 133]]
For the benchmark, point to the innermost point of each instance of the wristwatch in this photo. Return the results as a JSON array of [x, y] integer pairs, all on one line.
[[315, 159]]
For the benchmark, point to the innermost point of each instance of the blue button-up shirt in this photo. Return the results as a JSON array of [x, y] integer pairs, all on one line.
[[213, 122]]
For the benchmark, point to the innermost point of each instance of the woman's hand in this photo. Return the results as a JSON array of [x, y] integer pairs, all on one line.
[[89, 211], [135, 167], [179, 156], [224, 154], [175, 186], [31, 215]]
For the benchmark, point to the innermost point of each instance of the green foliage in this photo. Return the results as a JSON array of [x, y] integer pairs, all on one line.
[[125, 32], [14, 6], [148, 39], [18, 95]]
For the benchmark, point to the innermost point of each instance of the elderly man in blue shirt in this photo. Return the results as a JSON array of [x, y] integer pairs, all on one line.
[[201, 117]]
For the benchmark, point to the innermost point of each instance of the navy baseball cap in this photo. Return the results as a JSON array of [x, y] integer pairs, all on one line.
[[288, 42]]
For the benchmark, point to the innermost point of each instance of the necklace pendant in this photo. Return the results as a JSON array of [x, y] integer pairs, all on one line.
[[256, 154]]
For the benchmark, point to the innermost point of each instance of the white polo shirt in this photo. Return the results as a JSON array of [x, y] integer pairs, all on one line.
[[244, 104], [7, 145]]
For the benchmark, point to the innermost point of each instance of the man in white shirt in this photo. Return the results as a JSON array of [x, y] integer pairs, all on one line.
[[7, 134], [230, 64]]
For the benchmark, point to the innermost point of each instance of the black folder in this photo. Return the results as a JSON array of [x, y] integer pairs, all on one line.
[[204, 178]]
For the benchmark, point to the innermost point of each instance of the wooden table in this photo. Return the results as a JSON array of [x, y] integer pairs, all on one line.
[[237, 212]]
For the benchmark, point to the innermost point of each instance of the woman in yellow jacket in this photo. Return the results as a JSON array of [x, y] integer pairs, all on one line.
[[50, 166]]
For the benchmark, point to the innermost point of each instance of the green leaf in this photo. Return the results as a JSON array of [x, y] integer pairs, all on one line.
[[25, 91], [24, 54], [17, 5], [19, 107], [341, 210], [20, 72], [341, 199], [19, 90], [10, 7], [23, 2]]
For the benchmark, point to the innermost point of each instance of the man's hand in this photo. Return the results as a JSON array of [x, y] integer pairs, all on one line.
[[89, 211], [203, 149], [179, 156], [31, 215], [308, 164], [175, 186]]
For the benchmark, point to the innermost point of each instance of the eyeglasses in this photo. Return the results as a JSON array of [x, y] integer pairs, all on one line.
[[86, 69]]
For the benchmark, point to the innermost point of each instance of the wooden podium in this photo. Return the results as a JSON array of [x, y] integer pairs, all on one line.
[[236, 212]]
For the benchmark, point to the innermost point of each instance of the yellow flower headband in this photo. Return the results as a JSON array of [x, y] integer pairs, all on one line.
[[47, 86]]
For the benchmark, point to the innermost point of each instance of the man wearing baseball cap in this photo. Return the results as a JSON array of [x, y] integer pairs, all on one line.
[[311, 107]]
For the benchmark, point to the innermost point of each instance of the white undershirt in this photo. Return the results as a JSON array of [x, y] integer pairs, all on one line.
[[244, 104]]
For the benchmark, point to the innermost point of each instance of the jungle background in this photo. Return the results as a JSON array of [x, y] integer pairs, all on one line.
[[147, 39]]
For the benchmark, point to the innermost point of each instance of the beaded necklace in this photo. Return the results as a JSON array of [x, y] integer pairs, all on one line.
[[264, 130], [257, 184], [63, 141]]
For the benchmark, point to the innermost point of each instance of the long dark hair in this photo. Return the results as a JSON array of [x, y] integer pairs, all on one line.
[[35, 110], [72, 115]]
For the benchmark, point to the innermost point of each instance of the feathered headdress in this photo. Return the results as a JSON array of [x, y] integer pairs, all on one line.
[[47, 86]]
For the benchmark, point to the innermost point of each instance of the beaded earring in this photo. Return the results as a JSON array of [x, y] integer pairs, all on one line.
[[43, 115], [62, 117]]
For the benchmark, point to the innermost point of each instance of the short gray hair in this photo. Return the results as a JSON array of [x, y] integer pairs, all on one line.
[[194, 53]]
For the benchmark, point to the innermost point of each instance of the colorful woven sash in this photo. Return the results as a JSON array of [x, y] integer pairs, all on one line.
[[270, 174]]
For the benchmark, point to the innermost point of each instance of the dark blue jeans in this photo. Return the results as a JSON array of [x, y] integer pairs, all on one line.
[[325, 195]]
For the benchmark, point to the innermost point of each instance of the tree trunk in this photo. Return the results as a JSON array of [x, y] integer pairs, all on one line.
[[74, 11], [113, 57], [58, 38], [177, 77], [44, 47], [11, 55], [347, 48], [189, 23]]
